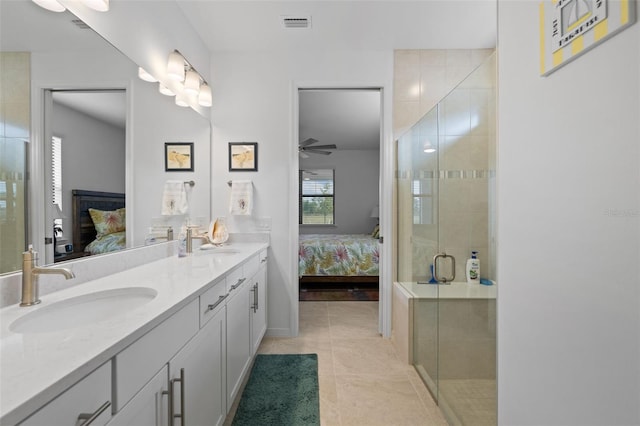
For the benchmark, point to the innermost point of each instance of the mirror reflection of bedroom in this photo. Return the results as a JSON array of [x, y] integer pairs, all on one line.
[[339, 173], [88, 129]]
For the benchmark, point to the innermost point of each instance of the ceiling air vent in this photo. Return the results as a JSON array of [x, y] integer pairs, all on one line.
[[80, 24], [303, 22]]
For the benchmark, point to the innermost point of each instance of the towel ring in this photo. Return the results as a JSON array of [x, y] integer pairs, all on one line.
[[190, 183]]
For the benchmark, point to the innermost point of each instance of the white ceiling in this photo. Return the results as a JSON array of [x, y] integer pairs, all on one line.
[[344, 24], [238, 25], [336, 117]]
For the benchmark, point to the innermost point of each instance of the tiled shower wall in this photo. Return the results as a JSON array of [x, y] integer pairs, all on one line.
[[466, 156], [422, 78], [14, 137]]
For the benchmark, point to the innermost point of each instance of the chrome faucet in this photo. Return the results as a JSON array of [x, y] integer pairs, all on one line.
[[191, 237], [30, 272]]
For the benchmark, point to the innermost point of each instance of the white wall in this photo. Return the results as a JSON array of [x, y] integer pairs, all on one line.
[[253, 102], [93, 157], [158, 120], [568, 230], [356, 181]]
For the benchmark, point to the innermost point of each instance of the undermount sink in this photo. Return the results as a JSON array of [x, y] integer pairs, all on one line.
[[82, 310]]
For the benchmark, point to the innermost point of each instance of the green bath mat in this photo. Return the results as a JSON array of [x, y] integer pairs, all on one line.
[[282, 390]]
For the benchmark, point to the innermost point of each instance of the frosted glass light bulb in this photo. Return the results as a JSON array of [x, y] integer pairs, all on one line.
[[144, 75], [204, 97], [51, 5], [175, 66], [192, 82]]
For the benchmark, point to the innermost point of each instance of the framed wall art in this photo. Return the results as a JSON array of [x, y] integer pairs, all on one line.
[[178, 156], [243, 156], [570, 28]]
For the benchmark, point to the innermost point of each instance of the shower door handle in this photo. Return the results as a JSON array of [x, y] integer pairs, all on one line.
[[438, 278]]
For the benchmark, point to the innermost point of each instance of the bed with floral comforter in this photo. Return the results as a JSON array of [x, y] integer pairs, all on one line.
[[338, 255]]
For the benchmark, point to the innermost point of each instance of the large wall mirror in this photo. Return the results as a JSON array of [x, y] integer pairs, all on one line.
[[65, 88]]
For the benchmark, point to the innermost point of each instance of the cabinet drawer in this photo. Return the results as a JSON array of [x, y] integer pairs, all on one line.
[[234, 278], [251, 266], [262, 256], [139, 362], [211, 301], [86, 397]]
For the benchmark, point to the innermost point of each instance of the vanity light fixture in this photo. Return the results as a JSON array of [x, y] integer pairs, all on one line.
[[51, 5], [165, 90], [182, 100], [175, 66], [97, 5], [144, 75], [55, 6], [192, 82], [204, 97]]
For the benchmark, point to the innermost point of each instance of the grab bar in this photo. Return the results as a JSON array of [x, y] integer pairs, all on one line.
[[444, 280]]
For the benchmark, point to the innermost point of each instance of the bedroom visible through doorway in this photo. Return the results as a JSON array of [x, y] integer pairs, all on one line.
[[338, 194]]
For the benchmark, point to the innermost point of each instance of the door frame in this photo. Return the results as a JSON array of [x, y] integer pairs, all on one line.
[[41, 131], [385, 188]]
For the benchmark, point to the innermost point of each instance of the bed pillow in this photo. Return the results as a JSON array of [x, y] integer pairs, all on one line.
[[108, 222], [376, 231]]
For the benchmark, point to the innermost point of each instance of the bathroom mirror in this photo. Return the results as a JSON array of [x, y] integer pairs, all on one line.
[[67, 55]]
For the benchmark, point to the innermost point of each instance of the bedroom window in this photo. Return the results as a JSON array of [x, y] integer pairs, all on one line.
[[422, 193], [316, 202]]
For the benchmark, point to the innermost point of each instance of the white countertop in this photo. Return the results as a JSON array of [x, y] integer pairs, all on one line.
[[455, 290], [36, 367]]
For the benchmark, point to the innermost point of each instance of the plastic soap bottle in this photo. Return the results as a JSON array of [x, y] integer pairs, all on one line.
[[473, 269]]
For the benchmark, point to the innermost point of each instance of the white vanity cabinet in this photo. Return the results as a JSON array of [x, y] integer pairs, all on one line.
[[197, 376], [186, 370], [258, 302], [89, 399], [238, 337]]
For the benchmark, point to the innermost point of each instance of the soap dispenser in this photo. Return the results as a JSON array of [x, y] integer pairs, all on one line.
[[473, 269]]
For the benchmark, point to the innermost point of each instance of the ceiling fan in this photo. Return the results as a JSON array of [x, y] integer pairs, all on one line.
[[305, 147]]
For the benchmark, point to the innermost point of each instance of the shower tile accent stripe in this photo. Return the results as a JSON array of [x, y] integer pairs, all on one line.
[[445, 174]]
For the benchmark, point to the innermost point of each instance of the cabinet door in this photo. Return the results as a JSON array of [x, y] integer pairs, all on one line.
[[149, 406], [258, 308], [90, 397], [238, 338], [198, 376]]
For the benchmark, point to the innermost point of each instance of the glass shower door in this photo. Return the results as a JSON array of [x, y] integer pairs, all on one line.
[[466, 312], [418, 190], [446, 181]]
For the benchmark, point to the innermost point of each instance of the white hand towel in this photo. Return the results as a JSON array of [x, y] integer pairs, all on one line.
[[174, 198], [241, 197]]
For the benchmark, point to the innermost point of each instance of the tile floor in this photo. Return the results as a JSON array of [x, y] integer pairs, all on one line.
[[362, 380]]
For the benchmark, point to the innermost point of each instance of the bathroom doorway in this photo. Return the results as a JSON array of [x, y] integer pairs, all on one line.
[[339, 174], [81, 126]]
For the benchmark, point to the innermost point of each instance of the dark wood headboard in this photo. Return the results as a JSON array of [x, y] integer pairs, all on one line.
[[83, 230]]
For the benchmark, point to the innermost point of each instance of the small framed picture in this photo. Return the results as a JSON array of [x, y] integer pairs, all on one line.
[[178, 156], [243, 156]]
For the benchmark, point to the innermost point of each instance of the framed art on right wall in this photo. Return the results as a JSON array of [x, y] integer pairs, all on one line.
[[570, 28]]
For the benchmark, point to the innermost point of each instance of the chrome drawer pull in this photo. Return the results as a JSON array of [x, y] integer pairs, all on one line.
[[236, 285], [215, 305], [85, 419]]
